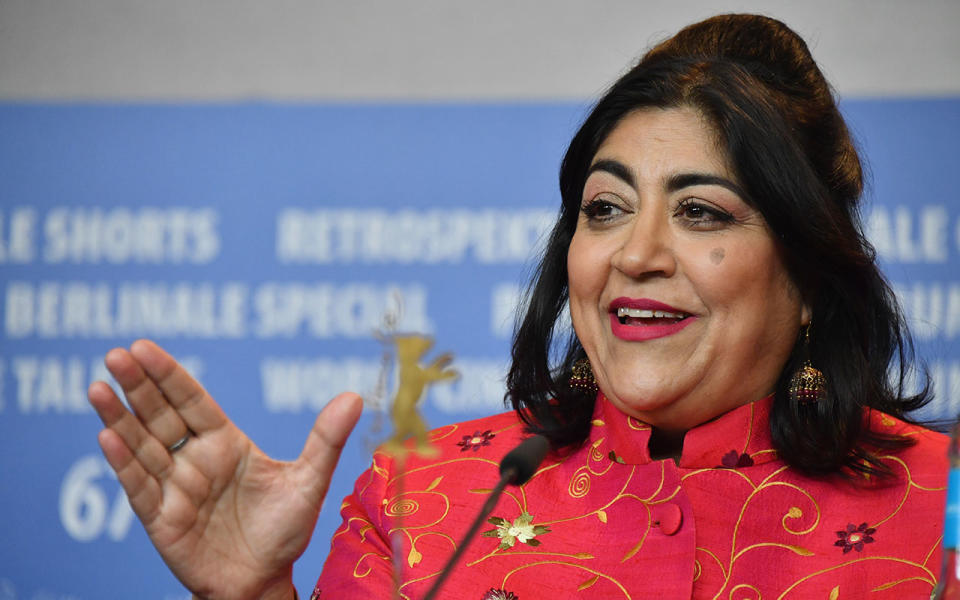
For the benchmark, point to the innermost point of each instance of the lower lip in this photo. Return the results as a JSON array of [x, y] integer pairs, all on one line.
[[640, 333]]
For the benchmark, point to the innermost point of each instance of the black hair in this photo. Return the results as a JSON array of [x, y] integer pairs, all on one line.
[[774, 113]]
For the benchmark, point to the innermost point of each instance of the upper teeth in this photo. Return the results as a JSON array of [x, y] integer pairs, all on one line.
[[648, 314]]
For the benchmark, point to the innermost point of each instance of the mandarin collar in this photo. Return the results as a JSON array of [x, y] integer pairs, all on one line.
[[738, 438]]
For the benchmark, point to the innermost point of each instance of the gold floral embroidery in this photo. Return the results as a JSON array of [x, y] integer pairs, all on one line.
[[588, 583], [928, 579], [579, 483], [799, 516], [521, 530], [600, 575], [402, 507], [595, 453]]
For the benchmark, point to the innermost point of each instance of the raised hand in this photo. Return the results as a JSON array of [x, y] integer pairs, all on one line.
[[228, 520]]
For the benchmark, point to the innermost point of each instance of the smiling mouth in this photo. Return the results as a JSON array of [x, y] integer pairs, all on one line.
[[642, 317]]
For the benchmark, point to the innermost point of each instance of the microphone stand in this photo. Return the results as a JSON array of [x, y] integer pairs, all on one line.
[[516, 468], [508, 476]]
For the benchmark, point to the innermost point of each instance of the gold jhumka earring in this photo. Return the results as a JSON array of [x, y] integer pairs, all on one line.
[[807, 385], [581, 376]]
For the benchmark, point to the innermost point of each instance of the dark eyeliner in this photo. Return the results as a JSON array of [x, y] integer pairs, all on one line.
[[589, 209], [593, 208], [711, 214]]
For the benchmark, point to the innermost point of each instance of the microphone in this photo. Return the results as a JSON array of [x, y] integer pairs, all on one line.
[[520, 463], [516, 468]]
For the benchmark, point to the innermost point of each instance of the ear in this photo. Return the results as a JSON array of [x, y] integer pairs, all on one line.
[[806, 314]]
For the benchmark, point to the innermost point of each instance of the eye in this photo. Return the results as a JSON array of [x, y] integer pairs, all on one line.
[[601, 209], [701, 215]]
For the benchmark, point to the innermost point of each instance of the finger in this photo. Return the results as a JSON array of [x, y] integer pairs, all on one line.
[[143, 491], [146, 399], [144, 447], [192, 403], [325, 442], [138, 457]]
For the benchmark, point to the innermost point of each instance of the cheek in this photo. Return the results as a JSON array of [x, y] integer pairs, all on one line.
[[745, 280], [579, 275], [727, 275], [586, 279], [582, 263]]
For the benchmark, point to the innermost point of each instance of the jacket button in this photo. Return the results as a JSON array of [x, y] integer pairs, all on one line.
[[668, 518]]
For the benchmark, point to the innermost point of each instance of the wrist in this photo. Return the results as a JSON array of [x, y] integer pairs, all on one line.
[[280, 590], [274, 592]]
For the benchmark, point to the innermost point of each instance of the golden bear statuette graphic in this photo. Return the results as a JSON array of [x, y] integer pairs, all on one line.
[[414, 378]]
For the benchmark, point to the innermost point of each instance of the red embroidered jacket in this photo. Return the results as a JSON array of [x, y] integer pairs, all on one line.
[[729, 521]]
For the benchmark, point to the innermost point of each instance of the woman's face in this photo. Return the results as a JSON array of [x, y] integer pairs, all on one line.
[[677, 290]]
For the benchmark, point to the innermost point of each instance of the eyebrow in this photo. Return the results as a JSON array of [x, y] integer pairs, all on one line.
[[615, 168], [674, 183], [684, 180]]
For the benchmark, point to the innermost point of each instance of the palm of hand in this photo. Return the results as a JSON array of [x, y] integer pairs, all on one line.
[[232, 514], [228, 520]]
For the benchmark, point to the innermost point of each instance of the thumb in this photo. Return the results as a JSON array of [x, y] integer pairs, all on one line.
[[326, 440]]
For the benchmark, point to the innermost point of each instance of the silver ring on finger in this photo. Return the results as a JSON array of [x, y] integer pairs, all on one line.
[[179, 443]]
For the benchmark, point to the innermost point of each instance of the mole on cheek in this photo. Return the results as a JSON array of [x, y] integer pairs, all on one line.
[[716, 256]]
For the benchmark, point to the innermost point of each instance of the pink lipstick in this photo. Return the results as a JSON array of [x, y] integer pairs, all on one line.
[[637, 320]]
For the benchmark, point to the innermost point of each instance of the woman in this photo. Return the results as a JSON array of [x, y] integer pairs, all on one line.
[[723, 423]]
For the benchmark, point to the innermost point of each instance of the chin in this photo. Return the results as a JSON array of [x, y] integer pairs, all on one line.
[[635, 401]]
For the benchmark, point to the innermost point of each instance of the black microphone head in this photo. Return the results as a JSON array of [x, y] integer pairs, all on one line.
[[523, 460]]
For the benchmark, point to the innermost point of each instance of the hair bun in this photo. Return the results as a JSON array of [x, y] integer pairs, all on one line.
[[752, 40]]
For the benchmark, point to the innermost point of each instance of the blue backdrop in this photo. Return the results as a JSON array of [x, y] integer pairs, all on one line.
[[262, 244]]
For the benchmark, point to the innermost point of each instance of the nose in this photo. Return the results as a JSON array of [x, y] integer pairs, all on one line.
[[647, 249]]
